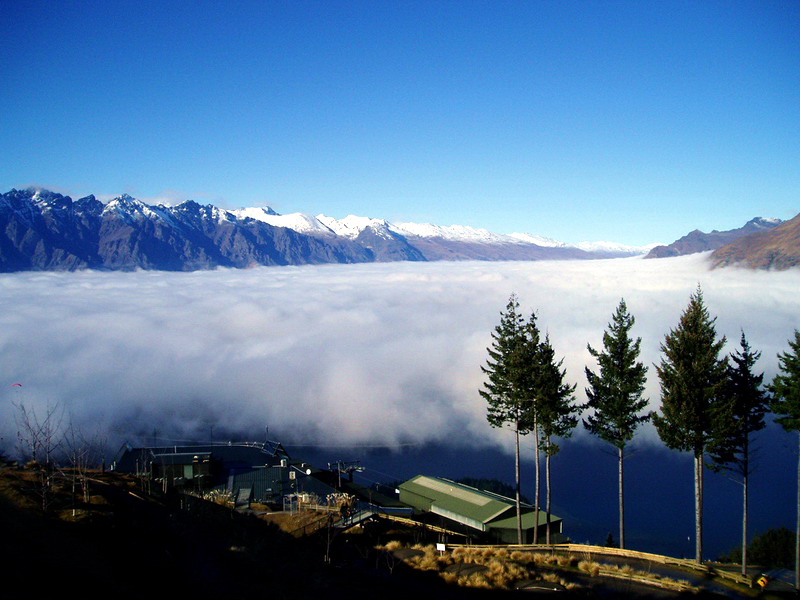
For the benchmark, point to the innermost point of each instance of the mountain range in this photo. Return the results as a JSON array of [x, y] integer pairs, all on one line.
[[698, 241], [44, 230]]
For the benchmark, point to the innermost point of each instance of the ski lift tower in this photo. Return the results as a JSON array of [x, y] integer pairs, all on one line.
[[345, 466]]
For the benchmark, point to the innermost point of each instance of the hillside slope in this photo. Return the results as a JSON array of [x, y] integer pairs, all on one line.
[[127, 544], [699, 241], [777, 248]]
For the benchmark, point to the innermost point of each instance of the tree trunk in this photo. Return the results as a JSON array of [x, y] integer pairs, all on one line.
[[744, 525], [538, 478], [745, 508], [621, 497], [797, 534], [519, 508], [547, 477], [698, 507]]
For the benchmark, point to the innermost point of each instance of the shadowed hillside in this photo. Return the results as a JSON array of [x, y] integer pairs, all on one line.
[[112, 538]]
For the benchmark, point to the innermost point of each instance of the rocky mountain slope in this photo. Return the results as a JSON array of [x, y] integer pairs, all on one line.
[[698, 241], [777, 248], [43, 230]]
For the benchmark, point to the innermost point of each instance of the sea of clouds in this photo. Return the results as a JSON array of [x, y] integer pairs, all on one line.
[[338, 354]]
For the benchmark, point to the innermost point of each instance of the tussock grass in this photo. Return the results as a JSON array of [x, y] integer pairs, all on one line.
[[519, 556], [451, 578], [499, 567], [589, 566], [555, 578], [505, 569], [567, 560], [626, 571], [391, 546]]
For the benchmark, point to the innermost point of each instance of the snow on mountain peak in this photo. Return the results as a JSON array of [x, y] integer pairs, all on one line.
[[461, 233], [528, 238], [129, 207], [352, 226], [614, 247], [300, 222]]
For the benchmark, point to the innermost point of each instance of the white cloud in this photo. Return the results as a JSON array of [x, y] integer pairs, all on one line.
[[377, 353]]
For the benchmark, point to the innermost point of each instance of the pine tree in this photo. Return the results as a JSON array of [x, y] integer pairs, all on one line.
[[532, 359], [785, 388], [509, 376], [615, 394], [693, 379], [736, 418], [554, 410]]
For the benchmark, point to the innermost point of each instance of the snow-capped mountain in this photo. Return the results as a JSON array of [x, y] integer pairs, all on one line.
[[299, 222], [43, 230], [352, 226]]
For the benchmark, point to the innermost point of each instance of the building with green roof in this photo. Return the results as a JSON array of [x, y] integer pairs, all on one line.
[[491, 514]]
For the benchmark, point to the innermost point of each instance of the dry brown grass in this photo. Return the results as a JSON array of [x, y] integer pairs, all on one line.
[[520, 556], [490, 568], [501, 569], [567, 560], [298, 524], [589, 566], [594, 569], [391, 546], [430, 559], [555, 578], [450, 577], [16, 486]]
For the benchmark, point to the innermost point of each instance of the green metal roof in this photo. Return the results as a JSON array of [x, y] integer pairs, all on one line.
[[486, 508], [457, 498], [528, 520]]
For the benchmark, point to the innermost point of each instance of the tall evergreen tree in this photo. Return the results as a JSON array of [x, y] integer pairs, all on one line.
[[785, 388], [508, 385], [532, 359], [693, 378], [615, 394], [556, 415], [736, 418]]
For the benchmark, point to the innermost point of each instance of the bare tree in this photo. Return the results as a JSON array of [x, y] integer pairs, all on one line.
[[39, 439], [82, 453]]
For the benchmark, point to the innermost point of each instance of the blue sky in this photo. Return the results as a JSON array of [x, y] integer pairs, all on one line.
[[627, 121]]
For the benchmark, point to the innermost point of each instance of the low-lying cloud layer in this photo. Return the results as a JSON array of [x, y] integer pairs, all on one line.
[[335, 354]]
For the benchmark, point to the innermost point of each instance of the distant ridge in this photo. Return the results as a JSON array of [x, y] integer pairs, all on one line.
[[42, 230], [698, 241], [777, 248]]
